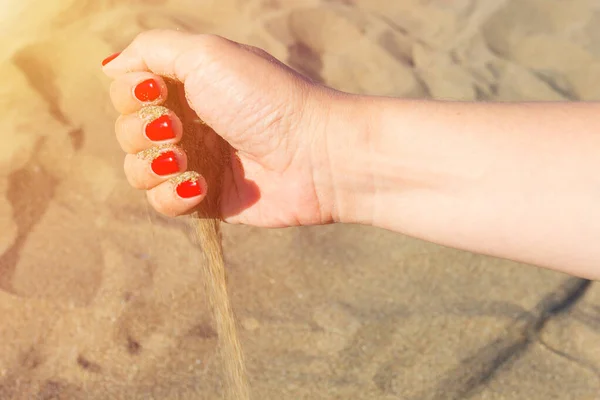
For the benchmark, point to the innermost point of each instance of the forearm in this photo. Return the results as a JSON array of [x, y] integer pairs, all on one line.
[[519, 181]]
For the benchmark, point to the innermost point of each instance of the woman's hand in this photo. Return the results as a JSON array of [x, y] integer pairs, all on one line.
[[277, 121]]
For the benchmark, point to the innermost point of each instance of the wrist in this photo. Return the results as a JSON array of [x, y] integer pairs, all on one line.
[[381, 161], [347, 141]]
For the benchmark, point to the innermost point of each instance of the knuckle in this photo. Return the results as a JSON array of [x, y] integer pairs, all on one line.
[[203, 51], [133, 182], [123, 143], [131, 173], [209, 41], [148, 35], [259, 52], [160, 204]]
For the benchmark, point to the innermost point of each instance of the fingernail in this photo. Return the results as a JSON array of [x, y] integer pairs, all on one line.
[[160, 129], [165, 164], [188, 185], [148, 90], [110, 58], [189, 189]]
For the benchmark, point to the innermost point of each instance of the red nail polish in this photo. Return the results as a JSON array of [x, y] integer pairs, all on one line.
[[160, 129], [148, 90], [189, 189], [165, 164], [110, 58]]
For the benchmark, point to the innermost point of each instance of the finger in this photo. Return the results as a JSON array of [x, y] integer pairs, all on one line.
[[132, 91], [152, 125], [154, 166], [179, 195]]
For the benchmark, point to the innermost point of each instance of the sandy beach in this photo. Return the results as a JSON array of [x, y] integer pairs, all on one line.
[[101, 298]]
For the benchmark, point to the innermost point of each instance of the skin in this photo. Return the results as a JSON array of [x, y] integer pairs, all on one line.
[[516, 181]]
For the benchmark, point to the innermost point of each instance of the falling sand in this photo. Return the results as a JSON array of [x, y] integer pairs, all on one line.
[[209, 154]]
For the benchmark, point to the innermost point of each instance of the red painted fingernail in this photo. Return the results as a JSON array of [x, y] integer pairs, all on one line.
[[189, 189], [160, 129], [165, 164], [148, 90], [110, 58]]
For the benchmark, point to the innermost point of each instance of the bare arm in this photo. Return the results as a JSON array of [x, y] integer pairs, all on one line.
[[517, 181]]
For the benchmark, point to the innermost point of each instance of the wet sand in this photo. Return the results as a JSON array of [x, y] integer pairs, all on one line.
[[101, 298]]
